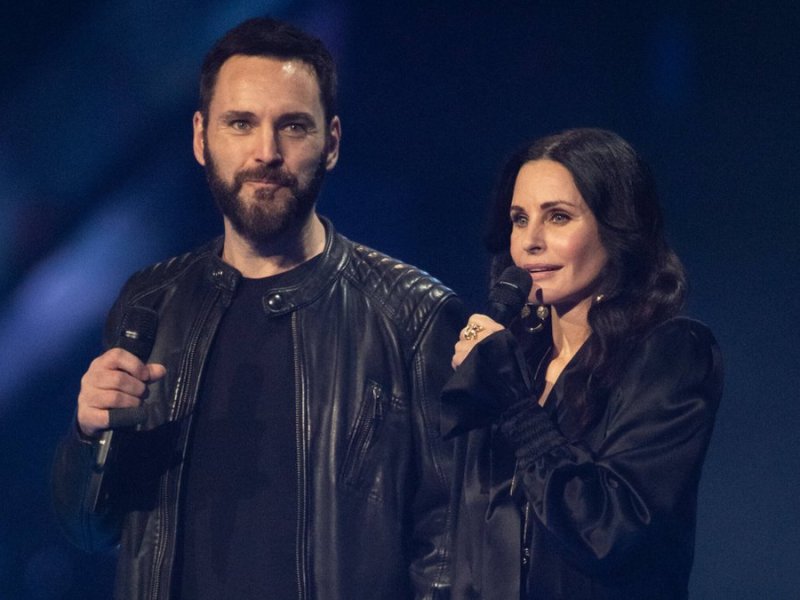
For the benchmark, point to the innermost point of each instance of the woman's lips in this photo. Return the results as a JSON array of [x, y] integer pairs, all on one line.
[[540, 272]]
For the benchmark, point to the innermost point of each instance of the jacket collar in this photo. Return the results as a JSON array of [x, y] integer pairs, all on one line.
[[285, 299]]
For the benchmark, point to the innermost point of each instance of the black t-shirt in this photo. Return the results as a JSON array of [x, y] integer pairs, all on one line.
[[239, 510]]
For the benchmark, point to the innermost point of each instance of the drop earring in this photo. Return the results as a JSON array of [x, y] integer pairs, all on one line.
[[533, 320]]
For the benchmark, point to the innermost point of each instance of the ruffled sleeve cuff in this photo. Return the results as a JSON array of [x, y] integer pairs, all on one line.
[[530, 430]]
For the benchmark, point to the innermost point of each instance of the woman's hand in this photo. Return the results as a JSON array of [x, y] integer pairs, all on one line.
[[478, 328]]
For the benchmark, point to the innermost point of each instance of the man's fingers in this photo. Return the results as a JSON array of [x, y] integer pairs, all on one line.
[[95, 407], [112, 381], [155, 372], [112, 390], [121, 360]]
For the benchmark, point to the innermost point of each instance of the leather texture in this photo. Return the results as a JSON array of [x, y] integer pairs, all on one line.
[[372, 340]]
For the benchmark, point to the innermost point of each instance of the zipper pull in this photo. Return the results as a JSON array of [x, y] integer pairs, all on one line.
[[526, 535], [514, 479], [377, 398]]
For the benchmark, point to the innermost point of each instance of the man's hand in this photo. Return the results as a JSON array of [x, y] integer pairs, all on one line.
[[115, 379]]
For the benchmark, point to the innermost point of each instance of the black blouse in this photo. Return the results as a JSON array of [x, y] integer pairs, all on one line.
[[611, 512]]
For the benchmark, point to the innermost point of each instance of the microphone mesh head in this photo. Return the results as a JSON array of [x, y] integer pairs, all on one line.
[[512, 288], [137, 331]]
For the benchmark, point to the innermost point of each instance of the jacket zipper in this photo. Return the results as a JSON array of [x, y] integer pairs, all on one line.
[[301, 418], [365, 430], [181, 395]]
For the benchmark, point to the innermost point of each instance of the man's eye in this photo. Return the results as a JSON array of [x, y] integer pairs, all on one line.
[[240, 125], [295, 129]]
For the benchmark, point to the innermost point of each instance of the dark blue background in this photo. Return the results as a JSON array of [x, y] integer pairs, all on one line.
[[97, 179]]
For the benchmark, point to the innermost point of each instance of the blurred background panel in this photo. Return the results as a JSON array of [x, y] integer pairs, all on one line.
[[97, 180]]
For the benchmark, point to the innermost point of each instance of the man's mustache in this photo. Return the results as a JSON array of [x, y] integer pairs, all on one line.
[[267, 174]]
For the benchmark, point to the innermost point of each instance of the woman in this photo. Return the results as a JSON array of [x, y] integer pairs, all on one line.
[[584, 425]]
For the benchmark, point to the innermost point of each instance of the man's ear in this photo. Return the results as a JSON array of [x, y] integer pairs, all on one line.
[[333, 139], [198, 138]]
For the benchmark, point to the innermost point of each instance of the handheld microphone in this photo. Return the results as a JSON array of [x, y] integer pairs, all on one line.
[[471, 398], [137, 334], [508, 295]]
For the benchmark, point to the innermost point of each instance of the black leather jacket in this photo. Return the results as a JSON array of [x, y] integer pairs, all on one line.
[[373, 471]]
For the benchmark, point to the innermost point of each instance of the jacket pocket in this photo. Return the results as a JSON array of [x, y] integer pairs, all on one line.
[[364, 461]]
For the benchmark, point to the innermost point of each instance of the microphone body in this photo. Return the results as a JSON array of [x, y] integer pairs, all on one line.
[[508, 295], [137, 334], [475, 395]]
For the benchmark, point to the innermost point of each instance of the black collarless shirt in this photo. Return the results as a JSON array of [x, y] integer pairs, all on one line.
[[239, 510]]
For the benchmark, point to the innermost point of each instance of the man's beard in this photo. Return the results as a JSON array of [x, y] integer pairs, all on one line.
[[268, 215]]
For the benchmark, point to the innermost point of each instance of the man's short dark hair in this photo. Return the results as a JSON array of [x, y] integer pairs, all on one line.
[[263, 36]]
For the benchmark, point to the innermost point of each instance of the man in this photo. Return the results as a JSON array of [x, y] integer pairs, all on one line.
[[290, 447]]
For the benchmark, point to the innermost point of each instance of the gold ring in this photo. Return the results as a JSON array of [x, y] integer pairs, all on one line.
[[471, 331]]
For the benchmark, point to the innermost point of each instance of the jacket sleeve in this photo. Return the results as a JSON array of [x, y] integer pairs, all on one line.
[[641, 479], [431, 515], [72, 471]]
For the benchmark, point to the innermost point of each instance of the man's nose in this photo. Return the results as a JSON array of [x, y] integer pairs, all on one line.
[[268, 149]]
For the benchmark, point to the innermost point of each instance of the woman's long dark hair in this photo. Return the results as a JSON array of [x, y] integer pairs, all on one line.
[[643, 282]]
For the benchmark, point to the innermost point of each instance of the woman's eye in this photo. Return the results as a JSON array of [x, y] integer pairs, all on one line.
[[559, 217], [519, 220]]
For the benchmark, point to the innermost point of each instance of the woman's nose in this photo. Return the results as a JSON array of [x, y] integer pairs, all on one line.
[[534, 239]]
